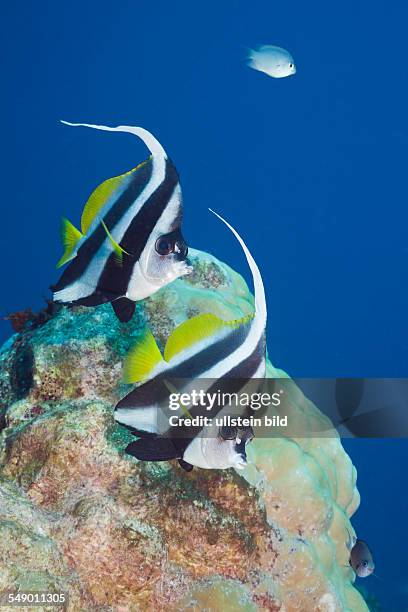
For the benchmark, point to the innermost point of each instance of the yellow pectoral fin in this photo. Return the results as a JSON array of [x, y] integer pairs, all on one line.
[[101, 195], [118, 250], [70, 237], [142, 358]]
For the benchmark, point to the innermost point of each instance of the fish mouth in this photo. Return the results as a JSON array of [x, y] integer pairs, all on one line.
[[240, 461], [186, 267], [179, 268], [174, 269]]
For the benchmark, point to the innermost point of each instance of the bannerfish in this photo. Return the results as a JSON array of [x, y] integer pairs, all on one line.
[[361, 559], [273, 61], [220, 354], [130, 244]]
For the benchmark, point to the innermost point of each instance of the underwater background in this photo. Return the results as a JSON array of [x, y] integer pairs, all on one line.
[[310, 169]]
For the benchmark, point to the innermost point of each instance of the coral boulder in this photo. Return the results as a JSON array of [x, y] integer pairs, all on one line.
[[78, 515]]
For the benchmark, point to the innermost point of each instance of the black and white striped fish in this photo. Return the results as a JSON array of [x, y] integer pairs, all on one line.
[[222, 355], [130, 243]]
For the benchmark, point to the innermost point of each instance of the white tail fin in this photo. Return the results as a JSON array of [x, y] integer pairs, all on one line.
[[252, 59], [259, 290], [150, 141]]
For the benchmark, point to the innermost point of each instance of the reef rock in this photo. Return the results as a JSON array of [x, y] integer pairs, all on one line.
[[80, 516]]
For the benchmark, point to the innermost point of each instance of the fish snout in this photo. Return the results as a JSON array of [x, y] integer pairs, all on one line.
[[240, 450], [184, 267], [241, 460]]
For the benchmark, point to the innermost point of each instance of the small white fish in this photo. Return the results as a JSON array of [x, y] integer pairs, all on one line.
[[273, 61]]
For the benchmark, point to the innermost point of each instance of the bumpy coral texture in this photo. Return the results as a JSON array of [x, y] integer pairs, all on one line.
[[78, 515]]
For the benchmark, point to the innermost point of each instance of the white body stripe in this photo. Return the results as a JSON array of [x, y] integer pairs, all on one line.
[[146, 419], [140, 286]]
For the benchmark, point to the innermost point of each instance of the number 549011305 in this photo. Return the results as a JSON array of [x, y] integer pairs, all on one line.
[[32, 598]]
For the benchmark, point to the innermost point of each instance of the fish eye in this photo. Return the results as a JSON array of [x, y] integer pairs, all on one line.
[[290, 65], [365, 563], [164, 246], [228, 433]]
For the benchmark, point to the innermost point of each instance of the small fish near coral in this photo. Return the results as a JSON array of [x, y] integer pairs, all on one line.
[[273, 61], [361, 559], [130, 243], [226, 354]]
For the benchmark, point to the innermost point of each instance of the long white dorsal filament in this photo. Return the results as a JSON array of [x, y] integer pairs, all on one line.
[[259, 290], [150, 141]]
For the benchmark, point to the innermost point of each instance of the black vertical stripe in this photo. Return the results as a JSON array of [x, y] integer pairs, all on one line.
[[116, 278]]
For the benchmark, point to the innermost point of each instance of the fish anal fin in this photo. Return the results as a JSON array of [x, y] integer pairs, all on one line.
[[153, 449], [70, 237], [100, 196], [124, 309], [142, 358]]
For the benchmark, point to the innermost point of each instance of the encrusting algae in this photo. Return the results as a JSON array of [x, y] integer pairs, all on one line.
[[78, 515]]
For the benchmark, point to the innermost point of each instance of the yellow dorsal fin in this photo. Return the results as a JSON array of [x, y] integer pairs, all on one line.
[[70, 237], [196, 329], [118, 250], [192, 331], [142, 358], [98, 199], [101, 195]]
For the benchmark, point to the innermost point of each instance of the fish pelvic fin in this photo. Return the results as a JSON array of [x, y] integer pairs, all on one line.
[[142, 358], [150, 141], [100, 196], [195, 330], [124, 309], [70, 237], [153, 449], [117, 249]]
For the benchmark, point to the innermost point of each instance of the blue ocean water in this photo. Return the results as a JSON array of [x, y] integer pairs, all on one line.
[[310, 169]]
